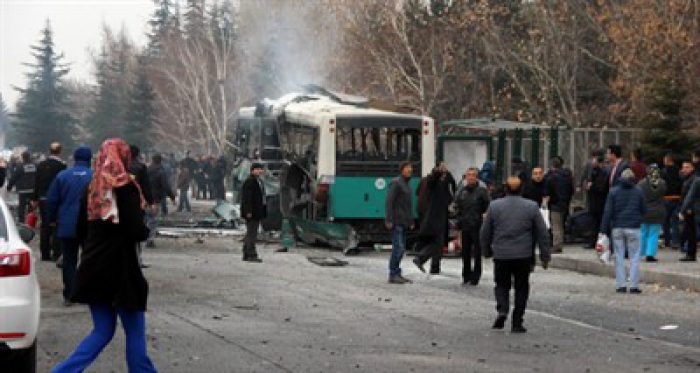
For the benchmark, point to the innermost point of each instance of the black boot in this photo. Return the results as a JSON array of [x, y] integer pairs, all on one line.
[[518, 328], [500, 322]]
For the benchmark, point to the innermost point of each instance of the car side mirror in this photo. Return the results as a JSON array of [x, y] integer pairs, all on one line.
[[26, 233]]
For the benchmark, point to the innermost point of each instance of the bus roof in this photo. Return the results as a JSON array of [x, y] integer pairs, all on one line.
[[309, 109]]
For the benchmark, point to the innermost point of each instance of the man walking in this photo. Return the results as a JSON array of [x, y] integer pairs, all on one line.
[[24, 179], [63, 209], [253, 209], [472, 201], [399, 219], [511, 225], [161, 191], [46, 172], [184, 180]]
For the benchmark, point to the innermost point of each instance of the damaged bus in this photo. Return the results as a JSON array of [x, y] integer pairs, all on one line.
[[334, 160]]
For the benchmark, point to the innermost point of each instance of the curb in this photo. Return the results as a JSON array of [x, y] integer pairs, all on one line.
[[679, 281]]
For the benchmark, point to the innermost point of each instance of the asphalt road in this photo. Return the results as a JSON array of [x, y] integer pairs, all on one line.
[[211, 312]]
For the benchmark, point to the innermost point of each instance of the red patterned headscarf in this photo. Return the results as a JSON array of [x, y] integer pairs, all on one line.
[[111, 171]]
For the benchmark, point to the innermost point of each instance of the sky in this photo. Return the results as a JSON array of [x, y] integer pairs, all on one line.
[[76, 25]]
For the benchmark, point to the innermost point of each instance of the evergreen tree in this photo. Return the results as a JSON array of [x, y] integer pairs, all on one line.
[[194, 18], [4, 121], [141, 112], [104, 121], [664, 127], [42, 116], [160, 25]]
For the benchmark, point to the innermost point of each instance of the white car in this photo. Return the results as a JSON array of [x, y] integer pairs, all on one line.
[[20, 298]]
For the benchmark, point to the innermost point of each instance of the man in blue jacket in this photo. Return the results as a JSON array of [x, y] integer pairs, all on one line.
[[63, 202]]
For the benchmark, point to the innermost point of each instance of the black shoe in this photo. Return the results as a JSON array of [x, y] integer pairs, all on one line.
[[282, 250], [635, 291], [252, 260], [434, 271], [688, 259], [651, 259], [397, 280], [500, 322], [518, 329], [418, 264], [621, 290], [474, 282], [588, 247], [145, 265], [406, 280]]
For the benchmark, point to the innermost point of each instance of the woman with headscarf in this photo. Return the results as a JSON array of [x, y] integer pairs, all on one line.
[[654, 188], [109, 278]]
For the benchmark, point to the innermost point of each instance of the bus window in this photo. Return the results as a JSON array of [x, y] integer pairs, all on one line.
[[299, 142], [396, 144]]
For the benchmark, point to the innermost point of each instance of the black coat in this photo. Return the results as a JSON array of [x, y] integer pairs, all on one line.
[[252, 200], [535, 191], [109, 272], [674, 182], [160, 185], [140, 172], [46, 172], [472, 203], [598, 192], [439, 197]]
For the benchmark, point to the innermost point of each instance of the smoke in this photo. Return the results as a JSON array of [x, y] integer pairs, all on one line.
[[286, 44]]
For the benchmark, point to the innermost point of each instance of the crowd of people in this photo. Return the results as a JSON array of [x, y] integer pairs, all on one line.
[[94, 216], [629, 202]]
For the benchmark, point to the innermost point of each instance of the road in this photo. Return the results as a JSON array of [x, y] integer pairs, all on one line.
[[211, 312]]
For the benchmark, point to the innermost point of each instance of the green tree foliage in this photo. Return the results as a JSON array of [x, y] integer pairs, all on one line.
[[42, 116], [161, 24], [141, 111], [664, 128]]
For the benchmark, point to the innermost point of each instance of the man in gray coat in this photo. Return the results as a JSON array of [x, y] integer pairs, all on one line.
[[399, 219], [512, 224]]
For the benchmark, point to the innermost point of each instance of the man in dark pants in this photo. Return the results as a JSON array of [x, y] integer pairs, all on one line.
[[399, 219], [431, 237], [140, 172], [690, 197], [161, 190], [511, 224], [46, 172], [253, 210], [472, 202], [63, 208], [597, 188], [24, 179], [535, 190], [672, 201]]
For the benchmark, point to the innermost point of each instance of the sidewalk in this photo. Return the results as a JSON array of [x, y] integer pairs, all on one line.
[[668, 271]]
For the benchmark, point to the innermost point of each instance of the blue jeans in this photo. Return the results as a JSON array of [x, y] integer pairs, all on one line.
[[184, 201], [626, 239], [649, 239], [70, 263], [672, 235], [105, 320], [398, 248]]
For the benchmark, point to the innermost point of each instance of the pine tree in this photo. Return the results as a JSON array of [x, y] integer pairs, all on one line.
[[664, 127], [104, 121], [42, 116], [4, 122], [141, 112], [194, 18], [160, 24]]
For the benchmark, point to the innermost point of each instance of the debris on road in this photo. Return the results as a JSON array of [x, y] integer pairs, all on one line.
[[327, 261]]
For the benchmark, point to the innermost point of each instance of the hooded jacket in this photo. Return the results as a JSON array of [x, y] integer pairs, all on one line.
[[65, 193], [654, 192], [624, 208]]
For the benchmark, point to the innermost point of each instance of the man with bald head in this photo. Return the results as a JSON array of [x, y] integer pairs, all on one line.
[[46, 172], [510, 226]]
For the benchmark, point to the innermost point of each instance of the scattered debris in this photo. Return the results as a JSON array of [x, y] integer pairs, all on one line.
[[669, 327], [327, 261]]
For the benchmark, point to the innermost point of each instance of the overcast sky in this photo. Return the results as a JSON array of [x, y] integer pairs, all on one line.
[[76, 25]]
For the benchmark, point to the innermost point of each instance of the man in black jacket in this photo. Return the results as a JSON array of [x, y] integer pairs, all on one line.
[[433, 229], [24, 179], [560, 189], [689, 235], [597, 188], [46, 172], [672, 201], [253, 210], [140, 172], [472, 201], [161, 190]]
